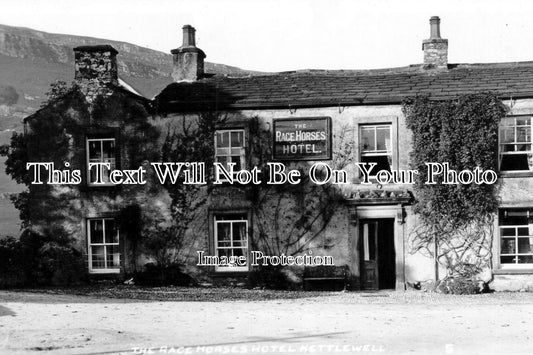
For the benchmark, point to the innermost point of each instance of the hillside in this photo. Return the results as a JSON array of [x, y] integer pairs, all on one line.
[[31, 60]]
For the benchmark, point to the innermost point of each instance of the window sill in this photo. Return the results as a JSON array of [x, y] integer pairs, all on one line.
[[513, 271], [518, 174], [100, 272]]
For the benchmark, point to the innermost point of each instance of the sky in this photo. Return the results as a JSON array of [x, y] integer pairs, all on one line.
[[279, 35]]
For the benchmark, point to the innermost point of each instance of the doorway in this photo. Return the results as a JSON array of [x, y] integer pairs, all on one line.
[[377, 254]]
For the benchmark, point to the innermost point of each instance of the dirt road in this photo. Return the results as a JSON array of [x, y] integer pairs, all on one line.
[[390, 323]]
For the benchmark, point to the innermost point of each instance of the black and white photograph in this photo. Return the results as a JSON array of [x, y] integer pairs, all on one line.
[[266, 177]]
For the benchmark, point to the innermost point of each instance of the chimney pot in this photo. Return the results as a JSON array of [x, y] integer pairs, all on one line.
[[435, 48], [434, 23], [188, 59], [188, 36]]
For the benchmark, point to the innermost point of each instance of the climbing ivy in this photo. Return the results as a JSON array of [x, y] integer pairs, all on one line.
[[464, 133]]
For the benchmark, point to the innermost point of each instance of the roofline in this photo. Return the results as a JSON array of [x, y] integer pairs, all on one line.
[[145, 101], [192, 106]]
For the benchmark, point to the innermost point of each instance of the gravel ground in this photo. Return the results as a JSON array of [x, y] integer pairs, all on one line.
[[410, 322]]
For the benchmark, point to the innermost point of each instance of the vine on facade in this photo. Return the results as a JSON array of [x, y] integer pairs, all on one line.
[[456, 220]]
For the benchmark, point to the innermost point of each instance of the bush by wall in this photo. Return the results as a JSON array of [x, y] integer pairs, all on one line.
[[39, 259]]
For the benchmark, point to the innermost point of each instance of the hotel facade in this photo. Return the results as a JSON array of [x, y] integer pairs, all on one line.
[[337, 118]]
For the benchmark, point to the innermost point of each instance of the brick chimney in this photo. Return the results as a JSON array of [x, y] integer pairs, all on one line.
[[188, 59], [435, 48], [96, 70]]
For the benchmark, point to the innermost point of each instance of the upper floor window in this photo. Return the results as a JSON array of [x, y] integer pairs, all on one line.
[[231, 239], [100, 150], [103, 244], [515, 144], [375, 142], [229, 148]]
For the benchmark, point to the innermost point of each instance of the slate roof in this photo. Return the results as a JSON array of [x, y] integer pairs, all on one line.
[[315, 88]]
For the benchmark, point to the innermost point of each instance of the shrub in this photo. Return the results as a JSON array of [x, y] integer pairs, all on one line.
[[59, 265], [155, 275], [39, 259], [459, 286], [12, 270]]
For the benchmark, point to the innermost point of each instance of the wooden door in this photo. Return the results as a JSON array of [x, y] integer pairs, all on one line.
[[369, 254]]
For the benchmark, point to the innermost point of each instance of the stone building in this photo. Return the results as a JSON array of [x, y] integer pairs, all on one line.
[[344, 116]]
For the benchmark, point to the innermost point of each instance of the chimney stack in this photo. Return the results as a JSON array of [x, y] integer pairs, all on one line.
[[188, 59], [96, 70], [435, 48]]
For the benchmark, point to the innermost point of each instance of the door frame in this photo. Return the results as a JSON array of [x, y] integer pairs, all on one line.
[[395, 212]]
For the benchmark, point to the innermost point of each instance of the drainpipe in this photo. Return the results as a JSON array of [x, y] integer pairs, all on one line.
[[436, 258]]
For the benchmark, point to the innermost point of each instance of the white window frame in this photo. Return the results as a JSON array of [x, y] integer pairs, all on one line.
[[231, 247], [105, 270], [112, 161], [516, 254], [387, 152], [501, 153], [242, 153]]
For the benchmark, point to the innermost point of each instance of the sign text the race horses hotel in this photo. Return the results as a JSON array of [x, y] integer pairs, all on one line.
[[302, 138]]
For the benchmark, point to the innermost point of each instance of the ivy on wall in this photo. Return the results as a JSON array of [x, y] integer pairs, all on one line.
[[456, 219]]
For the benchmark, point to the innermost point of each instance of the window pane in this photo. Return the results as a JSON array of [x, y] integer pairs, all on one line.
[[236, 151], [514, 162], [523, 134], [108, 149], [523, 121], [368, 139], [524, 246], [222, 151], [113, 256], [239, 231], [525, 259], [111, 231], [383, 162], [237, 138], [507, 259], [98, 255], [506, 232], [239, 252], [507, 134], [237, 161], [523, 231], [504, 148], [223, 233], [222, 139], [95, 150], [224, 252], [96, 229], [507, 121], [508, 246], [383, 138]]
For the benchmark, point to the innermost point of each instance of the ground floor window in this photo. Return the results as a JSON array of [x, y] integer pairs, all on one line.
[[231, 238], [516, 237], [103, 245]]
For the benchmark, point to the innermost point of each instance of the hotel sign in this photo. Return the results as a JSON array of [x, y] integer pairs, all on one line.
[[302, 138]]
